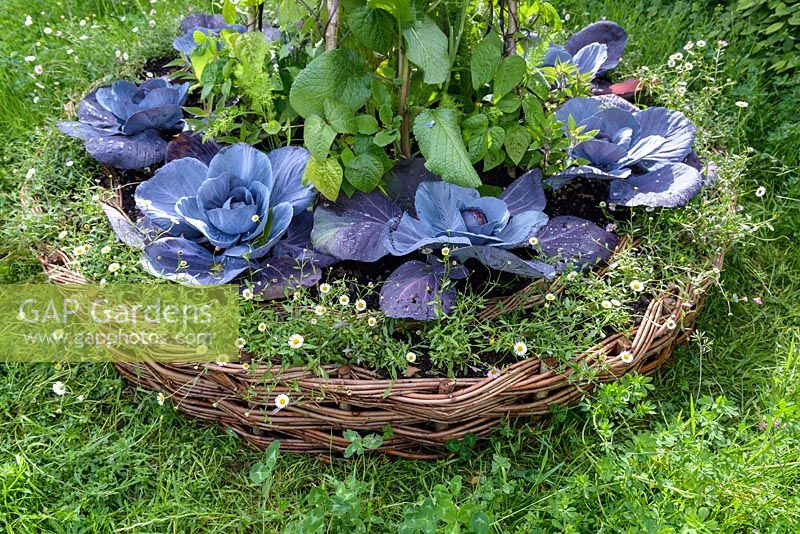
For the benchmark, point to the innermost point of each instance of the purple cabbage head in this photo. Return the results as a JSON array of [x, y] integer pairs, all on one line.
[[596, 49], [642, 152], [424, 214], [220, 220], [121, 123], [207, 24]]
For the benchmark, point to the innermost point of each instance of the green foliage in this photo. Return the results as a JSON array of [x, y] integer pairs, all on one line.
[[360, 444], [261, 472], [775, 26], [439, 138], [426, 46], [335, 74], [484, 60]]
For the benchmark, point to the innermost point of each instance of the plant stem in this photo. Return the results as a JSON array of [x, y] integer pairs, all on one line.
[[332, 26], [405, 79], [511, 30]]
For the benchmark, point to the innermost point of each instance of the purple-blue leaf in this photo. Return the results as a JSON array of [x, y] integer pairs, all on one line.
[[190, 145], [525, 193], [125, 230], [606, 32], [667, 186], [181, 260], [413, 291], [352, 228], [128, 152], [288, 166], [296, 243], [591, 58], [503, 260], [404, 180], [274, 277], [574, 241]]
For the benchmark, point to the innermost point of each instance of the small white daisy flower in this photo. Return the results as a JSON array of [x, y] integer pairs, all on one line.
[[636, 285], [520, 348], [80, 250], [313, 320], [549, 297], [245, 366], [114, 267], [161, 399], [722, 43], [688, 46], [361, 305], [626, 356], [494, 372], [572, 275], [240, 343], [700, 43], [319, 309], [670, 324], [324, 288], [615, 302], [28, 20], [344, 300], [281, 401], [606, 304], [30, 173], [742, 104], [29, 59], [47, 30], [533, 241], [411, 357], [445, 251], [38, 69], [59, 388], [296, 341], [372, 321], [262, 327], [255, 218], [761, 191], [247, 293], [105, 250]]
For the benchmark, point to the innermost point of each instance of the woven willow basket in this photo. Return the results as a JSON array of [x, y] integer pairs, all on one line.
[[424, 413]]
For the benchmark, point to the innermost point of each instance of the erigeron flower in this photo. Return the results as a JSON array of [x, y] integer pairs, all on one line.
[[59, 388], [247, 293], [372, 321], [520, 348], [105, 250], [742, 104], [361, 305], [688, 66], [28, 20], [344, 300], [295, 341], [30, 173], [636, 285], [700, 43], [47, 30], [494, 372], [313, 321], [411, 357], [572, 275], [445, 251], [30, 58], [606, 304], [761, 191], [615, 302], [245, 366], [319, 309], [240, 343], [113, 268], [670, 324], [677, 56], [80, 250], [161, 399], [671, 63], [222, 360], [262, 327], [549, 297], [688, 46], [152, 23], [38, 69], [281, 401], [626, 356], [722, 43], [324, 288], [533, 241]]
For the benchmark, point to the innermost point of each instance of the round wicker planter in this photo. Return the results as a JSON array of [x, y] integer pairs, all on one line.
[[424, 413]]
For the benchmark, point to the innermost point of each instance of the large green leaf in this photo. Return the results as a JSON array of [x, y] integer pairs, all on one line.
[[325, 175], [402, 10], [364, 172], [341, 118], [439, 138], [517, 141], [509, 74], [427, 49], [373, 27], [318, 137], [337, 74], [484, 60]]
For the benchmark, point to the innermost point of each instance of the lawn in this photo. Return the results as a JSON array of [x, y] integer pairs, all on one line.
[[714, 445]]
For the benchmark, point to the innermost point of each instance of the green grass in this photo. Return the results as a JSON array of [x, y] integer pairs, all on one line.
[[117, 461]]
